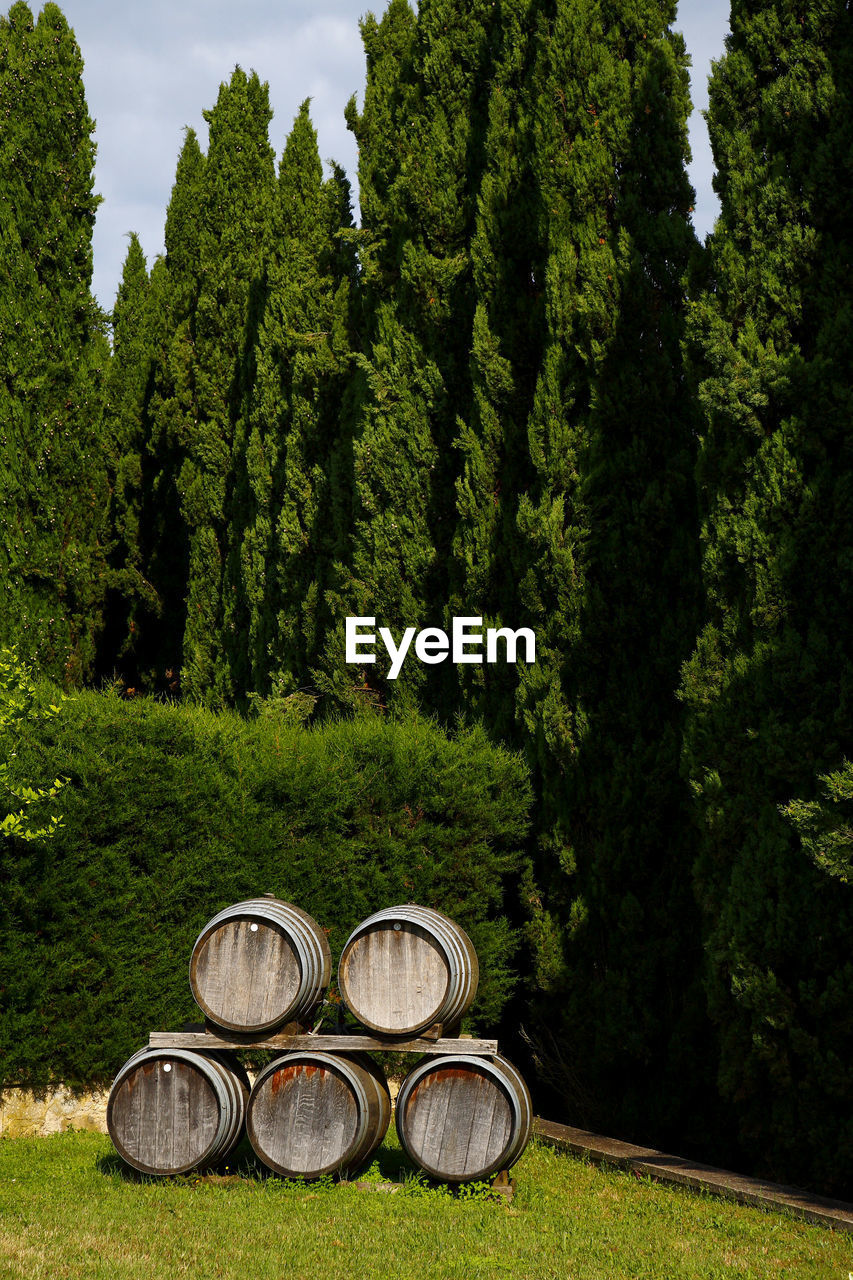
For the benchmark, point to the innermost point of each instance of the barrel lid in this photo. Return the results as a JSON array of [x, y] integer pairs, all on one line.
[[395, 971], [151, 1098], [258, 963], [484, 1110], [307, 1114]]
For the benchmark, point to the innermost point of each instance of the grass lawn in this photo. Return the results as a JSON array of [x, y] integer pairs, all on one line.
[[69, 1211]]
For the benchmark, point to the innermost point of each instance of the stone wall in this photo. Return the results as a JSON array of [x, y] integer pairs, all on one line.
[[25, 1115]]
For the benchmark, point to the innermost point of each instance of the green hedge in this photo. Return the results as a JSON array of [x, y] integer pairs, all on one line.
[[172, 813]]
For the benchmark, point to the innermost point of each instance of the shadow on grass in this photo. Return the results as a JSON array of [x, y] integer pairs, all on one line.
[[389, 1164]]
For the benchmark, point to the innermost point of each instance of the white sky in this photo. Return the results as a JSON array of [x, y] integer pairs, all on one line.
[[151, 67]]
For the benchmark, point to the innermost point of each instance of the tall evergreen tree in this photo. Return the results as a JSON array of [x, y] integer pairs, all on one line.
[[125, 392], [235, 209], [53, 351], [292, 500], [170, 405], [380, 131], [607, 566], [508, 250], [768, 687], [425, 113]]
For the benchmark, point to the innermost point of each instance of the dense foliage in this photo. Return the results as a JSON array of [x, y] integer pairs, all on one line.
[[24, 803], [53, 480], [607, 565], [521, 391], [420, 142], [292, 494], [172, 813], [125, 389], [770, 727]]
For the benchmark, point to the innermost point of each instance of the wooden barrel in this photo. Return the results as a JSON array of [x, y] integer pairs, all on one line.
[[311, 1114], [407, 967], [461, 1118], [259, 964], [173, 1110]]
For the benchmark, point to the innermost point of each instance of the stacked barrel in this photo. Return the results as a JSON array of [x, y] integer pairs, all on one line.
[[405, 969], [258, 965], [173, 1111], [262, 966]]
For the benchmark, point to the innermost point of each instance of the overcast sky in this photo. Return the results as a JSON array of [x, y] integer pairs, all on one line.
[[152, 67]]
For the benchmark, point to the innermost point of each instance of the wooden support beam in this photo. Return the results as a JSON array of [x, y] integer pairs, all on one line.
[[202, 1040]]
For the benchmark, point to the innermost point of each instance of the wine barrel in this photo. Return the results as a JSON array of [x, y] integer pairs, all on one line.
[[173, 1110], [259, 964], [462, 1118], [312, 1114], [407, 967]]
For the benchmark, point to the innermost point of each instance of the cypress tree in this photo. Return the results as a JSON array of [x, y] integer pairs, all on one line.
[[770, 727], [291, 505], [607, 572], [125, 390], [507, 256], [235, 206], [380, 131], [425, 111], [52, 351], [170, 405]]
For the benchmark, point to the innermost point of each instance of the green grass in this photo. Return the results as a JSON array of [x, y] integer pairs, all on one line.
[[69, 1211]]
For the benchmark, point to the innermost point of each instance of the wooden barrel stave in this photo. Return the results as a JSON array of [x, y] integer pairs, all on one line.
[[462, 1118], [174, 1110], [406, 968], [312, 1114], [258, 964]]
